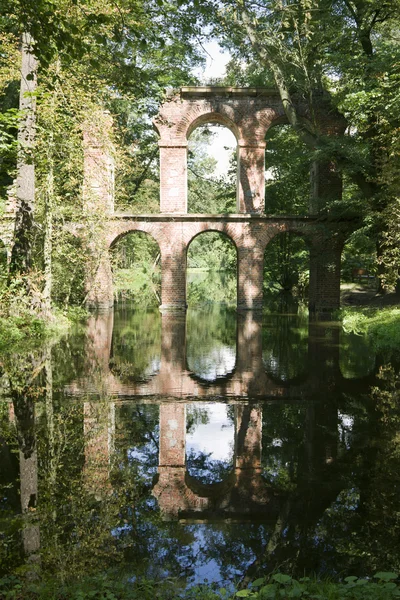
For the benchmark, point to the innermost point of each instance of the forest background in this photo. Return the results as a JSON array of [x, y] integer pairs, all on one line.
[[340, 58]]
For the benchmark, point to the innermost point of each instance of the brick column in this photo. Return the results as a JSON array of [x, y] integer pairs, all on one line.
[[99, 284], [248, 448], [251, 178], [250, 278], [98, 165], [173, 353], [170, 489], [249, 366], [98, 204], [99, 432], [173, 275], [172, 435], [173, 179], [325, 260]]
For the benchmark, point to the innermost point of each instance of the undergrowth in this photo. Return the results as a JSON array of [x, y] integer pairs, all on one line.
[[381, 325], [108, 586], [24, 321]]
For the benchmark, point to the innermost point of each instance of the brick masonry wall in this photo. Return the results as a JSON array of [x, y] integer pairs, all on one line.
[[250, 236], [248, 113]]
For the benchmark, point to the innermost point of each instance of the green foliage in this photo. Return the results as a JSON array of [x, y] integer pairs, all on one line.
[[359, 252], [136, 268], [212, 251], [114, 586], [287, 163], [382, 326], [286, 264], [210, 287], [209, 191], [23, 323], [284, 586]]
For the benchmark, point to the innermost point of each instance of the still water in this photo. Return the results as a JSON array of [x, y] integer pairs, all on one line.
[[212, 446]]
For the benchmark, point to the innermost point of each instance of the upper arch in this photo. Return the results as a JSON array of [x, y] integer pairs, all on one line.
[[247, 112], [213, 118], [221, 231]]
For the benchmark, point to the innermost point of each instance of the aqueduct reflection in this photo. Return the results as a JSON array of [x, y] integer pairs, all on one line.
[[250, 377]]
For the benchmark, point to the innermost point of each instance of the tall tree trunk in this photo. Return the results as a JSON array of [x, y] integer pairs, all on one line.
[[48, 227], [20, 262]]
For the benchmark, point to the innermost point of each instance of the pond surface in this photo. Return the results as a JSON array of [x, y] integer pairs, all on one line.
[[208, 446]]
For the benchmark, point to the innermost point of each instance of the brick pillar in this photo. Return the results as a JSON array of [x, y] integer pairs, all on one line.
[[171, 490], [99, 285], [172, 435], [98, 165], [248, 447], [99, 431], [251, 178], [98, 204], [173, 275], [249, 366], [250, 278], [173, 353], [173, 179], [325, 260]]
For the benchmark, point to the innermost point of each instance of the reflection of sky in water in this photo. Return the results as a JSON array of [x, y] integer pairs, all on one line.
[[153, 367], [216, 436], [345, 426], [206, 568], [217, 362]]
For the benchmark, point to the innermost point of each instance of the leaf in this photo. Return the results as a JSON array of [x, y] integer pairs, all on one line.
[[390, 585], [351, 579], [258, 582], [268, 591], [244, 594], [385, 575], [281, 578]]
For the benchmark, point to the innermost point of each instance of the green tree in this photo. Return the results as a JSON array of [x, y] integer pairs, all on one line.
[[335, 65]]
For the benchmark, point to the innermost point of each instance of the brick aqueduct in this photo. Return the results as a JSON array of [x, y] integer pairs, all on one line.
[[248, 113]]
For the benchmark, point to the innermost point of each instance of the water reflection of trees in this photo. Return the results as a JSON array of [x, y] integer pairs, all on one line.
[[285, 345], [136, 345], [211, 342], [357, 357], [211, 286], [338, 494]]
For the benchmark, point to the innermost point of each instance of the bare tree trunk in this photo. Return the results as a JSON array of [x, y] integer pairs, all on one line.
[[25, 186]]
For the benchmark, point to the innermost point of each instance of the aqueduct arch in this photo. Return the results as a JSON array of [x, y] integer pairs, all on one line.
[[249, 112]]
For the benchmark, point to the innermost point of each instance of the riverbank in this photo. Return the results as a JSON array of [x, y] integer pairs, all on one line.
[[356, 294]]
